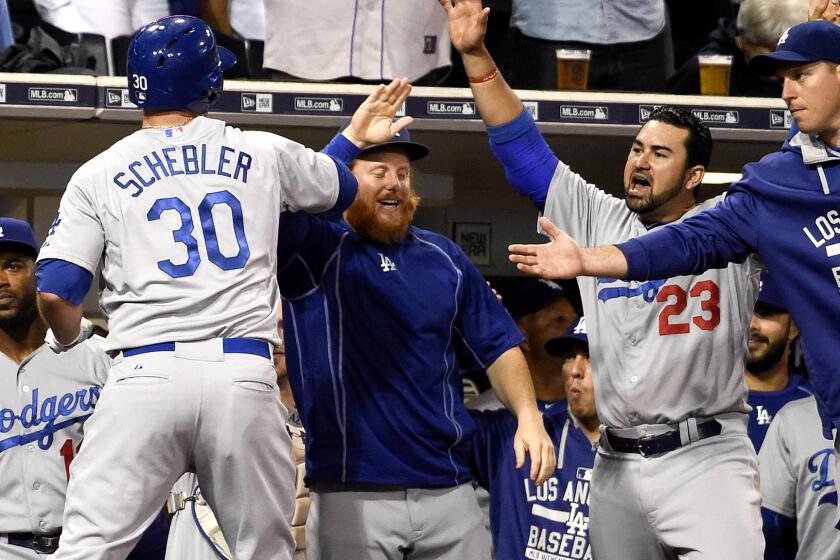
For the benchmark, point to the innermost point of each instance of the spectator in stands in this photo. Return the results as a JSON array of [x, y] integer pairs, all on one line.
[[629, 40], [542, 310], [357, 41], [110, 19], [755, 31]]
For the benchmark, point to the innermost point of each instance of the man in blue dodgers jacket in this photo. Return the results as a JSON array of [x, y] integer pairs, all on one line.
[[550, 520], [786, 209], [377, 315]]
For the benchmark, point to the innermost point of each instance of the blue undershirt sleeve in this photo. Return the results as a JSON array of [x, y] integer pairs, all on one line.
[[779, 535], [528, 160], [343, 152], [342, 149], [68, 281]]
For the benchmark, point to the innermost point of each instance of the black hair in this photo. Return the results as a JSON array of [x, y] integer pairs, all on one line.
[[698, 144]]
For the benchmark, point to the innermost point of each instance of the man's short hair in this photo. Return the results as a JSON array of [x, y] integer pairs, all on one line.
[[698, 144], [762, 22]]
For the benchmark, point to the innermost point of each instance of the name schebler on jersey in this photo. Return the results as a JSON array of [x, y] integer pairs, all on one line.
[[45, 416], [559, 518], [186, 159]]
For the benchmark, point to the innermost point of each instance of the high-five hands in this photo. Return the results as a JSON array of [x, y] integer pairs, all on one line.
[[373, 122]]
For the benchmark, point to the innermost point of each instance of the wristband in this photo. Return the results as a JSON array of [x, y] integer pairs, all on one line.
[[484, 78]]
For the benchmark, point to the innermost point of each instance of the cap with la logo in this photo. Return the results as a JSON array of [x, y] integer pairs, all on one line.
[[17, 235], [574, 336], [807, 42]]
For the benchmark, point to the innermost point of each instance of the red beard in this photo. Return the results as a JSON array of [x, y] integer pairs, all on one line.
[[363, 218]]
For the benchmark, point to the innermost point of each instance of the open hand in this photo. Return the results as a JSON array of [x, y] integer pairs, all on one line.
[[373, 122], [824, 9], [560, 258], [532, 439], [467, 24]]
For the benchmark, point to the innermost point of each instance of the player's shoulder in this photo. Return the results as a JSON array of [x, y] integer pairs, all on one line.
[[794, 410], [440, 241]]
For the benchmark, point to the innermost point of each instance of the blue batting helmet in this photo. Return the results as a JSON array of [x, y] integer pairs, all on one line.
[[175, 63]]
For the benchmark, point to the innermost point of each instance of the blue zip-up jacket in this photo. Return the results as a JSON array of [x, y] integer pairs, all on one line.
[[375, 334], [787, 209]]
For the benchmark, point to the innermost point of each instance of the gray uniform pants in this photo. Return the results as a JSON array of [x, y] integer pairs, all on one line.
[[12, 552], [361, 522], [163, 413], [699, 502]]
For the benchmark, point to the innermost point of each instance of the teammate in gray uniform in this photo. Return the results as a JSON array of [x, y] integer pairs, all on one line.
[[45, 399], [797, 473], [185, 212], [676, 475]]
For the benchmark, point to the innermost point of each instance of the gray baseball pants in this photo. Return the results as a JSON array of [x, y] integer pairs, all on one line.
[[366, 522]]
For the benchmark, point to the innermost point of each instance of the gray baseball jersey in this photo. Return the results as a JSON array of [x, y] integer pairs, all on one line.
[[663, 350], [797, 478], [174, 250], [372, 40], [44, 402]]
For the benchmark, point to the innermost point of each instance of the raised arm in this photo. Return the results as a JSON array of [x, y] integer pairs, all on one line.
[[467, 27], [514, 138]]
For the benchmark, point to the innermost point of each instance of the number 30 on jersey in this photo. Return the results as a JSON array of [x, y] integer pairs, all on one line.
[[184, 234]]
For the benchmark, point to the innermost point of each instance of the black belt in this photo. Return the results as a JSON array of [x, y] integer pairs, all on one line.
[[657, 444], [44, 544]]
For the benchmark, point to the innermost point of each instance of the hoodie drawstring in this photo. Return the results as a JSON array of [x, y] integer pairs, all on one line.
[[823, 180]]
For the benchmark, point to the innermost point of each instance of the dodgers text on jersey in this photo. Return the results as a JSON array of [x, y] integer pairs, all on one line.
[[47, 412]]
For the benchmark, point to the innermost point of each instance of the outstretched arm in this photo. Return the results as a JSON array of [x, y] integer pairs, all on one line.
[[563, 258]]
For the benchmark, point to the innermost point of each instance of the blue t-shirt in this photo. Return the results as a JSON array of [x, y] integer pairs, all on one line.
[[549, 521], [787, 209], [765, 405], [374, 336]]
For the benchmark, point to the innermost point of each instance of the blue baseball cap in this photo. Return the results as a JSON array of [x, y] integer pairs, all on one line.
[[806, 42], [17, 235], [770, 293], [402, 139], [576, 334]]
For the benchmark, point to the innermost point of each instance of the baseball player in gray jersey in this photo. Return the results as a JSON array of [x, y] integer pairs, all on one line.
[[676, 475], [185, 212], [798, 495], [45, 399]]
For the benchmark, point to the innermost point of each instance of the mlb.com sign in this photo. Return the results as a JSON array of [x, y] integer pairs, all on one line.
[[319, 104]]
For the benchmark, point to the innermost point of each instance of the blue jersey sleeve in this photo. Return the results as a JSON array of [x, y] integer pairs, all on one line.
[[485, 328], [779, 536], [67, 280], [710, 239], [528, 160]]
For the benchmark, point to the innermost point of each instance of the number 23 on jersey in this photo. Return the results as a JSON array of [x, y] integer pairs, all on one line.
[[674, 320]]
